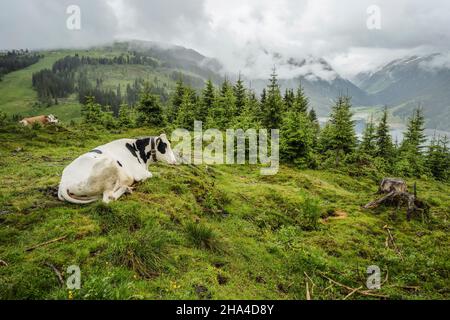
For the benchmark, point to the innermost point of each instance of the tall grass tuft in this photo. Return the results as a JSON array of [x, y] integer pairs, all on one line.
[[144, 251], [310, 214], [202, 236]]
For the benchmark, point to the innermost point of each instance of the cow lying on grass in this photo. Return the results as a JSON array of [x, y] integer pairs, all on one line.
[[110, 170], [43, 120]]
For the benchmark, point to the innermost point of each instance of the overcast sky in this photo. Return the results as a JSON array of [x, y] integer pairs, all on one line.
[[242, 34]]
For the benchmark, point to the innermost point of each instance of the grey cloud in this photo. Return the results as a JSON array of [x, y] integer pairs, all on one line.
[[241, 33], [42, 24], [437, 62]]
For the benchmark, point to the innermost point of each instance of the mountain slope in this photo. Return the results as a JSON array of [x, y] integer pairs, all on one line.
[[405, 83], [207, 232], [17, 95], [322, 84]]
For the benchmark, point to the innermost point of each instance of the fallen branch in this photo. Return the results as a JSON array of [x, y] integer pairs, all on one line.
[[356, 290], [308, 295], [386, 278], [376, 203], [390, 239], [57, 272], [307, 286], [45, 243], [415, 288], [353, 291], [3, 263]]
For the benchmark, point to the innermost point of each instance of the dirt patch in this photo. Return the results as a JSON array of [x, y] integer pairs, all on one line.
[[335, 215]]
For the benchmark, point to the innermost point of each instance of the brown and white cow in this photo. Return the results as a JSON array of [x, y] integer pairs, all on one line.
[[43, 120]]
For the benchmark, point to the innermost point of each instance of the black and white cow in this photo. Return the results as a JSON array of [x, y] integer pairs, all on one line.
[[110, 170]]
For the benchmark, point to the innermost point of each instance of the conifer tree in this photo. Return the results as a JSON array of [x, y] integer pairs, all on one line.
[[315, 124], [272, 109], [297, 139], [385, 148], [224, 108], [187, 112], [412, 159], [248, 118], [368, 143], [325, 143], [176, 101], [149, 108], [240, 93], [289, 100], [206, 101], [343, 137], [91, 111], [125, 119], [415, 135], [301, 101], [438, 158], [262, 102]]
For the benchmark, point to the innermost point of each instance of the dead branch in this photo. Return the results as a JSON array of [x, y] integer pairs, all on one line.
[[3, 263], [376, 203], [351, 293], [386, 278], [312, 282], [390, 239], [308, 295], [57, 272], [45, 243], [356, 290], [415, 288]]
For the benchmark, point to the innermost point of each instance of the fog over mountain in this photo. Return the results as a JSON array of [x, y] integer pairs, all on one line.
[[326, 45], [402, 84], [241, 33]]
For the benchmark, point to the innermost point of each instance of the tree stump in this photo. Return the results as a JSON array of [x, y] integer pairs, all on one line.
[[391, 184], [396, 194]]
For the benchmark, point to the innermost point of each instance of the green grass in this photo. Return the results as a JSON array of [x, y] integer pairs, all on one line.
[[222, 232], [17, 96]]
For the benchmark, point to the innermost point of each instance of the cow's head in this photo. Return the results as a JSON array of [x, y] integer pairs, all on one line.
[[52, 119], [164, 151]]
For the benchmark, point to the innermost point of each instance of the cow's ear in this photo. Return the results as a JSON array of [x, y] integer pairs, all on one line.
[[163, 137], [161, 146]]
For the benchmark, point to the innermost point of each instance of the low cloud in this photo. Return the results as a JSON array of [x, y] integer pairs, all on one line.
[[248, 36], [42, 24], [437, 62]]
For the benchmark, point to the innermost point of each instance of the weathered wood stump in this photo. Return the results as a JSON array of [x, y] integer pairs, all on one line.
[[396, 194], [391, 184]]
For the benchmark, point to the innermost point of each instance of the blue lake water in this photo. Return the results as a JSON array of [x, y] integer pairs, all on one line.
[[396, 129]]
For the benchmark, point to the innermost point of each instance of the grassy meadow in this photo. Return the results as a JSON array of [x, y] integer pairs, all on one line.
[[17, 96], [204, 232], [217, 232]]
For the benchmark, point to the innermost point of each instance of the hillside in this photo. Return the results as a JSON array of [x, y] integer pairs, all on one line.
[[221, 232], [404, 84], [322, 84], [17, 95]]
